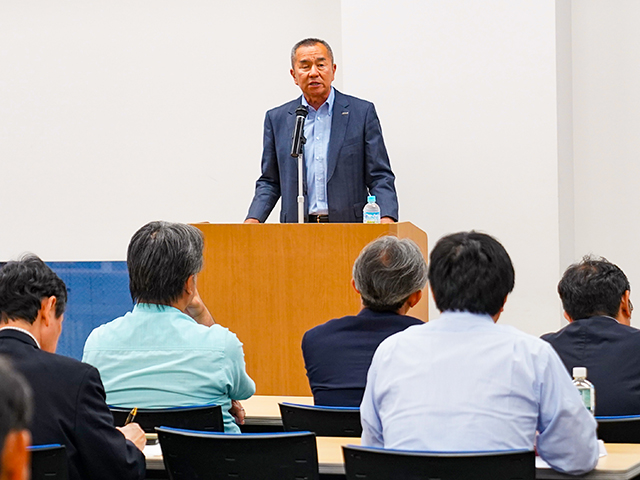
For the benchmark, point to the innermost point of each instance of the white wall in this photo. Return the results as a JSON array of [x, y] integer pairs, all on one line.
[[515, 118], [466, 92], [115, 113], [606, 100]]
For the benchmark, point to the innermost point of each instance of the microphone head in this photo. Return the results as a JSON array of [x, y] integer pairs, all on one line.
[[302, 111]]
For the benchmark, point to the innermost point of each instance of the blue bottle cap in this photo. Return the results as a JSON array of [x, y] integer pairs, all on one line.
[[371, 199]]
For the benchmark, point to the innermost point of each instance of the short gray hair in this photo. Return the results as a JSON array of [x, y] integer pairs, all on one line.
[[160, 259], [309, 42], [388, 271]]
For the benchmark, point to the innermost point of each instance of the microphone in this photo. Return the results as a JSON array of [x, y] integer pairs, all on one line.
[[298, 131]]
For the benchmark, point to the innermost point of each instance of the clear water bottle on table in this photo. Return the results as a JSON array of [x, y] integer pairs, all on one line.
[[585, 387]]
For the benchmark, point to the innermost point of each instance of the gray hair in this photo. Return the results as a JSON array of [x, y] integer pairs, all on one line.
[[309, 42], [388, 271], [161, 257]]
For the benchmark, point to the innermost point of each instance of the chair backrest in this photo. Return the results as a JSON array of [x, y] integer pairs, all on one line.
[[323, 421], [202, 417], [625, 429], [364, 463], [284, 456], [49, 462]]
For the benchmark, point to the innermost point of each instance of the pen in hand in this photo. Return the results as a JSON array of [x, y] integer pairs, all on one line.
[[131, 416]]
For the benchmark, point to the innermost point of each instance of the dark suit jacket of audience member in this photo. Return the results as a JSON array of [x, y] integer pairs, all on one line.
[[337, 354], [611, 353], [70, 409]]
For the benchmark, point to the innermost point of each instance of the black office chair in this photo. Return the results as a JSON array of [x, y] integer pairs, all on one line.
[[48, 462], [190, 454], [623, 429], [363, 463], [203, 417], [323, 421]]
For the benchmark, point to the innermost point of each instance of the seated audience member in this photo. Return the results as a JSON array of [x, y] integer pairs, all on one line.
[[15, 415], [462, 383], [69, 399], [595, 298], [389, 275], [168, 351]]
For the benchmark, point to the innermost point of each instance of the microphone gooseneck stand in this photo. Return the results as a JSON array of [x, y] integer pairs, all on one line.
[[297, 152]]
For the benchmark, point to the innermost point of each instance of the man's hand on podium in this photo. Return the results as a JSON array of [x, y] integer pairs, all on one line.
[[251, 220]]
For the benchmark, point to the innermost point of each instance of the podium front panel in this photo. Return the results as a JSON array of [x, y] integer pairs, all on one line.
[[270, 283]]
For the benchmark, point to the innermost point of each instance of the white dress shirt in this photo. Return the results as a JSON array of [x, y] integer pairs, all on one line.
[[462, 383]]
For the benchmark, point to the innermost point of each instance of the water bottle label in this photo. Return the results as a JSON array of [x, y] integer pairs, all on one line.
[[586, 397], [371, 217]]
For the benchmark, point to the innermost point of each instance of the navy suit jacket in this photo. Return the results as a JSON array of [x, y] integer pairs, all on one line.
[[337, 354], [70, 409], [611, 353], [357, 164]]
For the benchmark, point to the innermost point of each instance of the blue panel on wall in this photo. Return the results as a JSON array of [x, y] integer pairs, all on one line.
[[98, 293]]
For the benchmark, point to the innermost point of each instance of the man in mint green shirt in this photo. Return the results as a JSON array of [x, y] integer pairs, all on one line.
[[168, 351]]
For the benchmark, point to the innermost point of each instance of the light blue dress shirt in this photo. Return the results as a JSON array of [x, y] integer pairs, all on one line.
[[317, 131], [462, 383], [156, 357]]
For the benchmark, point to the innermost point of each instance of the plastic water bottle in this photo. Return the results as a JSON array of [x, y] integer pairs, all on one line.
[[585, 387], [371, 211]]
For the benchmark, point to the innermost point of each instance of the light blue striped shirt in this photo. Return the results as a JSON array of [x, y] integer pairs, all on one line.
[[157, 357], [461, 383], [317, 131]]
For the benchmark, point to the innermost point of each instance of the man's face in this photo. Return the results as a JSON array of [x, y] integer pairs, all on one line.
[[313, 71]]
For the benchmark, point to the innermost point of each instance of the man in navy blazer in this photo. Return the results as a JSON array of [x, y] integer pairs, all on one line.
[[595, 298], [69, 399], [389, 275], [345, 157]]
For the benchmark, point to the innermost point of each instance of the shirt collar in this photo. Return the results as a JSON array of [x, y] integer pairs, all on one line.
[[27, 332], [154, 307], [599, 317], [465, 316], [328, 102]]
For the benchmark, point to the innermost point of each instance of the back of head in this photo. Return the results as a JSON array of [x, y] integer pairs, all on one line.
[[15, 402], [24, 284], [388, 271], [470, 271], [161, 257], [594, 286]]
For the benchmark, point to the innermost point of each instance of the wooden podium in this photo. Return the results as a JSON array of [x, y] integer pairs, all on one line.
[[270, 283]]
